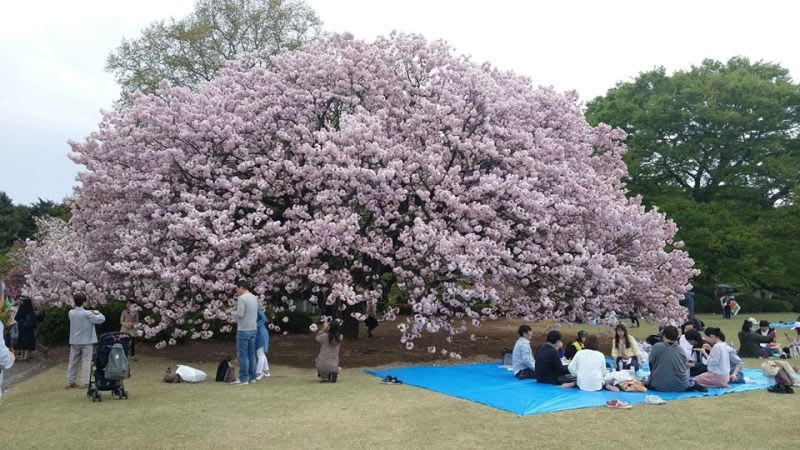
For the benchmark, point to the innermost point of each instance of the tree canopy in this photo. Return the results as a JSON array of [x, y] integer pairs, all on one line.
[[717, 147], [191, 50], [353, 168]]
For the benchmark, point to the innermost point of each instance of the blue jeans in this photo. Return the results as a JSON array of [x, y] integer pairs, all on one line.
[[246, 352]]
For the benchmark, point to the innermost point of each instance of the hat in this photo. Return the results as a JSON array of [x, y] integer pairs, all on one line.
[[582, 334]]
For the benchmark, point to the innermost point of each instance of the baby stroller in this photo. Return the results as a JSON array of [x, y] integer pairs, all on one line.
[[99, 379]]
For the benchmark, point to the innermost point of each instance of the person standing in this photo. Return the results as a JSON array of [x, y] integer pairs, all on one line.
[[11, 325], [262, 344], [522, 363], [82, 337], [128, 321], [6, 360], [26, 327], [246, 315]]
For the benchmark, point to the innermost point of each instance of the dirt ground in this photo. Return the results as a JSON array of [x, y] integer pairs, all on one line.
[[383, 349]]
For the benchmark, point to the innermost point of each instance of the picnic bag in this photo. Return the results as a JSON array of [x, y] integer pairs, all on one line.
[[225, 372], [117, 366]]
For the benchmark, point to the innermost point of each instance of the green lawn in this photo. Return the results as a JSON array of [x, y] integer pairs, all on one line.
[[291, 410]]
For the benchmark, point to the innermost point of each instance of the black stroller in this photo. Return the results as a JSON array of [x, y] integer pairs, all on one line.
[[97, 380]]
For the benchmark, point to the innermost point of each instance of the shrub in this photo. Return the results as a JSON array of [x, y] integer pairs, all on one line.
[[299, 321]]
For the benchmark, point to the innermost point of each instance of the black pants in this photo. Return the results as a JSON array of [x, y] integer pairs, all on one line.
[[525, 374], [132, 349], [697, 370], [568, 378]]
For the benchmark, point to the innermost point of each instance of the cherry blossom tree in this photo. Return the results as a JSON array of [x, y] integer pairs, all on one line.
[[58, 262], [351, 167]]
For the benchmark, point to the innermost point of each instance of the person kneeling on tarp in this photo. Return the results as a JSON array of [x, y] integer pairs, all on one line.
[[549, 368], [522, 362]]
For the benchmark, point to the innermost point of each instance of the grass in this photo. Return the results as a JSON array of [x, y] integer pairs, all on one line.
[[291, 410]]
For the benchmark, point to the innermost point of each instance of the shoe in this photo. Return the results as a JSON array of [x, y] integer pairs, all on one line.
[[260, 377], [238, 383], [654, 400], [776, 389], [71, 386], [266, 375], [618, 404], [788, 390], [699, 388]]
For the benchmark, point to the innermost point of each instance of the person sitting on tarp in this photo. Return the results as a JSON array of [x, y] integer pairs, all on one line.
[[749, 342], [696, 356], [764, 330], [576, 345], [625, 350], [668, 365], [588, 366], [549, 367], [522, 362], [719, 364]]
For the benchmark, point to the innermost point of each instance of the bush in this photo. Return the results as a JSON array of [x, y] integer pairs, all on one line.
[[299, 321], [776, 306], [705, 304]]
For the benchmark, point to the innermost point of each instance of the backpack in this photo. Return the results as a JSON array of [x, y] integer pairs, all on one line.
[[117, 366], [225, 372]]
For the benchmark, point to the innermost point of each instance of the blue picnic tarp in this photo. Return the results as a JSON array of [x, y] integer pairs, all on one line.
[[493, 385]]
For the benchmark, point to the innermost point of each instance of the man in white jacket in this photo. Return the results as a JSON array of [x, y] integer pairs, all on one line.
[[82, 337], [6, 360]]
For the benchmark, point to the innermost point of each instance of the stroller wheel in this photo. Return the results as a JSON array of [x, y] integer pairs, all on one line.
[[123, 394]]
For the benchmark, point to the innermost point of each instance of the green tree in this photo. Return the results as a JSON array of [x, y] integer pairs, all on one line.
[[9, 222], [717, 148], [193, 49]]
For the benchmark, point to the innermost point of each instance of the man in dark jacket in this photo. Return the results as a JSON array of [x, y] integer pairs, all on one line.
[[549, 368]]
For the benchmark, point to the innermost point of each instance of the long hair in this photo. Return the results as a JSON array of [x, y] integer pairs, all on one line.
[[616, 335], [335, 332], [747, 326], [25, 307]]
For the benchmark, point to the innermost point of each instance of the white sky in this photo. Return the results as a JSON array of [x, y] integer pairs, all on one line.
[[52, 53]]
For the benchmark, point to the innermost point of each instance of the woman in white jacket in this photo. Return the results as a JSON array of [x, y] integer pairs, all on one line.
[[6, 360], [588, 366]]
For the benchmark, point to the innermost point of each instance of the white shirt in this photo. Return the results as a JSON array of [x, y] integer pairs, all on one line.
[[719, 362], [589, 367], [522, 357], [686, 346]]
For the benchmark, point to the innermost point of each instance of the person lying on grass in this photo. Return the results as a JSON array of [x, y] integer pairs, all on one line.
[[549, 368]]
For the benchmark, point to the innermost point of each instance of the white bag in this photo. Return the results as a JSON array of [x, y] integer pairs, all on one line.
[[190, 374]]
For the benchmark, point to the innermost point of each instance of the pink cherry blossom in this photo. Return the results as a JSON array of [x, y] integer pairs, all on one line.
[[352, 168]]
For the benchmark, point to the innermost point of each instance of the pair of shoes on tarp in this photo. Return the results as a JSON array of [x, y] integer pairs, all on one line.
[[780, 389], [618, 404], [388, 379]]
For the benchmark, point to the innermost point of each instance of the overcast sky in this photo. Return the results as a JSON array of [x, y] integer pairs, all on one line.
[[52, 53]]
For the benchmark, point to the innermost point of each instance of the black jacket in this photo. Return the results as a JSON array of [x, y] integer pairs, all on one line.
[[548, 364]]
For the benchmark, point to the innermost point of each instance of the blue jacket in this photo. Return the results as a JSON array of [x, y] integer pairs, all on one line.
[[262, 335]]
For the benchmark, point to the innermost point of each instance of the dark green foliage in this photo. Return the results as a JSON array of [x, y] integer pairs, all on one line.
[[717, 149], [299, 321]]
